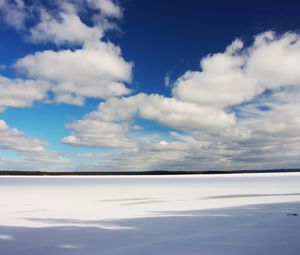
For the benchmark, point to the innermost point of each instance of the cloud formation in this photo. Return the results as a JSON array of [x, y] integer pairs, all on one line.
[[239, 111], [14, 139], [96, 70], [18, 13], [32, 151], [14, 13], [21, 93], [241, 73], [109, 125], [66, 28], [84, 65]]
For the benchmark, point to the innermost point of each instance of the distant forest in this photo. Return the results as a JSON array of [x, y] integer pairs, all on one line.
[[158, 172]]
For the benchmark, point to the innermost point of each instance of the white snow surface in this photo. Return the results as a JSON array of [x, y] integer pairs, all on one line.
[[147, 215]]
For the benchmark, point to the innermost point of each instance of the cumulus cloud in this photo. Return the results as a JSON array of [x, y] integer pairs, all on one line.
[[32, 151], [107, 7], [91, 68], [96, 70], [66, 28], [13, 139], [274, 60], [151, 153], [221, 82], [167, 111], [241, 73], [266, 135], [21, 93], [240, 110], [98, 134], [113, 117], [14, 12]]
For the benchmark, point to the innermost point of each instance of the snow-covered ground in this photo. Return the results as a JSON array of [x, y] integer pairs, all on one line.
[[178, 215]]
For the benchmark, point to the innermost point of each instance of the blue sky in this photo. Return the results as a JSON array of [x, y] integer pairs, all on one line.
[[149, 85]]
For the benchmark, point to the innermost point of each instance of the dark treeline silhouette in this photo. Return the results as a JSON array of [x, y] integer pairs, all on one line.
[[158, 172]]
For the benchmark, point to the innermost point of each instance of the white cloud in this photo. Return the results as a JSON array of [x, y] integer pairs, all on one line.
[[152, 153], [221, 83], [183, 115], [93, 69], [98, 134], [270, 141], [167, 111], [66, 28], [33, 151], [274, 60], [17, 12], [239, 74], [262, 131], [96, 70], [21, 93], [14, 13], [13, 139], [109, 125], [107, 7], [224, 118]]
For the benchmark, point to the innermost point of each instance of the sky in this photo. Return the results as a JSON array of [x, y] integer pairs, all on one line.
[[104, 85]]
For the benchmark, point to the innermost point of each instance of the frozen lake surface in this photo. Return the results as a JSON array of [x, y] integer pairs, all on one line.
[[210, 214]]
